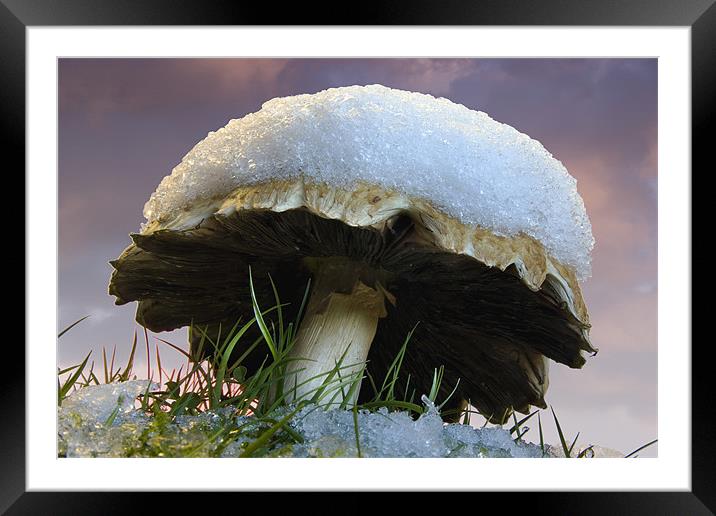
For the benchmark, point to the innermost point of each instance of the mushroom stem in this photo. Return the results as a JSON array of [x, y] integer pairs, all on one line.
[[338, 327]]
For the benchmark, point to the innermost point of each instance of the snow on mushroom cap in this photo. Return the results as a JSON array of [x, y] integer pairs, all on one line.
[[472, 167]]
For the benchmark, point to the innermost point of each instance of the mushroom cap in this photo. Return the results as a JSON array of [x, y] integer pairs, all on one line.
[[480, 231]]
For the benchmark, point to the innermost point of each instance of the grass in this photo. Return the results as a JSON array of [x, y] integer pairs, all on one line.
[[218, 383]]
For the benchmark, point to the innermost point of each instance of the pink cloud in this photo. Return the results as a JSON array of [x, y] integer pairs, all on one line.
[[626, 323]]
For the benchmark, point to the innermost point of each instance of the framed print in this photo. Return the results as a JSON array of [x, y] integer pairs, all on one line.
[[566, 137]]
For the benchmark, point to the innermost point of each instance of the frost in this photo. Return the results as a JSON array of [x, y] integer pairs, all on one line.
[[474, 168]]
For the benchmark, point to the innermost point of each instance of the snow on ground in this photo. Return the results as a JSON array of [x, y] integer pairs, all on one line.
[[102, 421]]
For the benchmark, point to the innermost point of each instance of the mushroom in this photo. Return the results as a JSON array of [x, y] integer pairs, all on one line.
[[404, 210]]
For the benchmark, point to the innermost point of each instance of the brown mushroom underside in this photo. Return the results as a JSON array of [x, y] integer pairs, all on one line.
[[482, 324]]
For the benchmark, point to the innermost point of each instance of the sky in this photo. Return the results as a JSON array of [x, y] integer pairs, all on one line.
[[125, 123]]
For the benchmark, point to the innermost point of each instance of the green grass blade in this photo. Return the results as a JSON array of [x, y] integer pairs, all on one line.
[[573, 443], [583, 453], [62, 393], [353, 390], [220, 374], [454, 390], [518, 424], [111, 364], [306, 292], [562, 440], [437, 380], [71, 326], [187, 355], [264, 437], [113, 415], [279, 313], [260, 320], [466, 417], [391, 376], [105, 365], [641, 448], [67, 370], [355, 428], [130, 361]]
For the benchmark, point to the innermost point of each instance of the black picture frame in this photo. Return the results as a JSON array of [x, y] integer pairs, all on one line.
[[700, 15]]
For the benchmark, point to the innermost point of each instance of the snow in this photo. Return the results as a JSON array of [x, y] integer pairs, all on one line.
[[85, 429], [99, 401], [396, 434], [86, 417], [472, 167]]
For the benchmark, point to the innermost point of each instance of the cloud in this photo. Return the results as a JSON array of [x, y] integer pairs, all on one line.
[[627, 323], [646, 287], [432, 76], [95, 88], [571, 105]]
